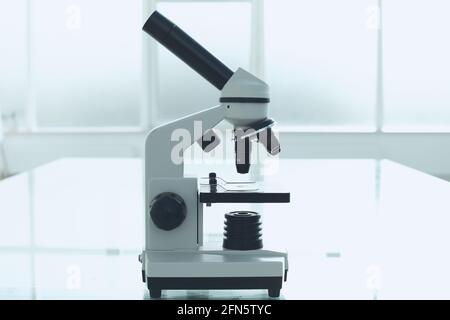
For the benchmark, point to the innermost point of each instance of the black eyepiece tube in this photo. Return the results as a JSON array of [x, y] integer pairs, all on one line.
[[188, 50]]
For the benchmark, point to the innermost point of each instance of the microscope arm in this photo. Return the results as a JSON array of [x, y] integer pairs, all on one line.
[[165, 145]]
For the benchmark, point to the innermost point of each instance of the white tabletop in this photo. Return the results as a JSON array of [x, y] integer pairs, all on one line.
[[361, 229]]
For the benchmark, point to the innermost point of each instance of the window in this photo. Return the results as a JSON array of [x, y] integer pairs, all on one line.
[[13, 60], [331, 65], [182, 91], [86, 63], [416, 65], [321, 64]]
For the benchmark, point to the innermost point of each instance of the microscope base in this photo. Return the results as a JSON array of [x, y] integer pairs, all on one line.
[[214, 270], [272, 284]]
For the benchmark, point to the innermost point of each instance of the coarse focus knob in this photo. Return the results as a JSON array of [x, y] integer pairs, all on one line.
[[168, 211]]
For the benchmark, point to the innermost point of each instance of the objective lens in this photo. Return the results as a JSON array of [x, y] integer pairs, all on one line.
[[269, 141], [242, 150]]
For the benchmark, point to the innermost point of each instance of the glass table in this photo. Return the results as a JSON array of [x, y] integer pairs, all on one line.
[[356, 229]]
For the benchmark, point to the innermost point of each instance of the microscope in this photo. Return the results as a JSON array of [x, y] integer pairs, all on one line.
[[176, 257]]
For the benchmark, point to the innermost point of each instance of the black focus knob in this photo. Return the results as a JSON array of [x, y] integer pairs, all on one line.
[[168, 211]]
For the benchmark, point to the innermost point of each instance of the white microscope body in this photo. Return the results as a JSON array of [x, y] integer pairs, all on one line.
[[175, 255]]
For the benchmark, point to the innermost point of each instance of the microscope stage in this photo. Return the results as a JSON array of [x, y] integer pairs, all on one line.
[[241, 193], [244, 197]]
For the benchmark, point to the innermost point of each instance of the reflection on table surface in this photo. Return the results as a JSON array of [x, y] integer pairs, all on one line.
[[361, 229]]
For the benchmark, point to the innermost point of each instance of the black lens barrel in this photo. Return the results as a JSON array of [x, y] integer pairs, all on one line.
[[188, 50]]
